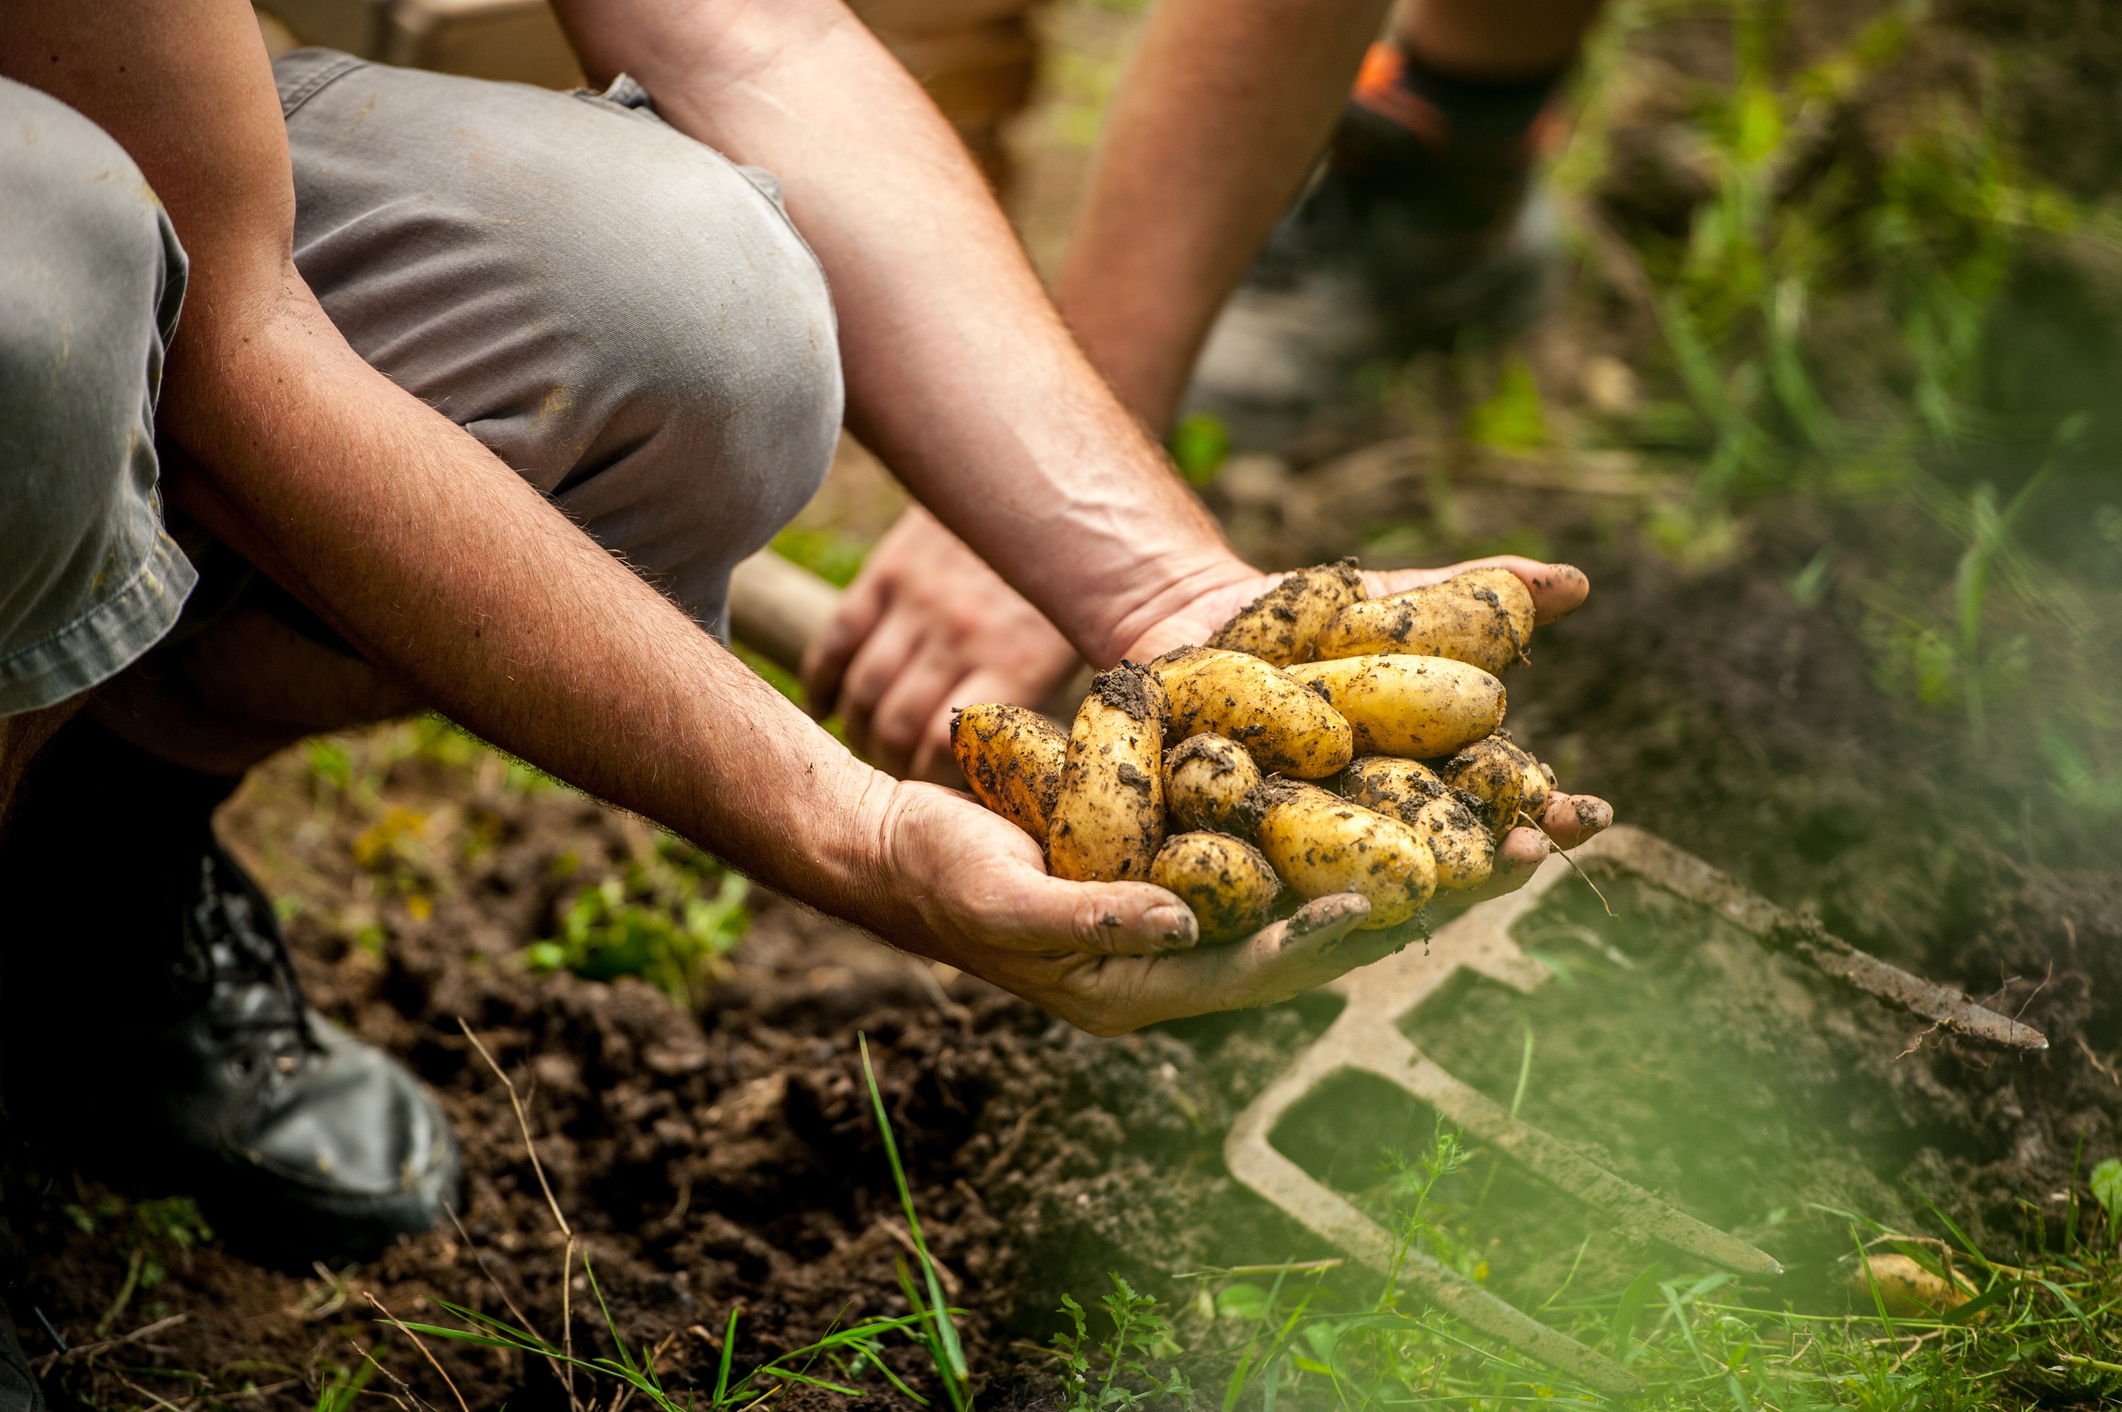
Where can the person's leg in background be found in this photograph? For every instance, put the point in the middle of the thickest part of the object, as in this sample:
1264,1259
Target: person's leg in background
622,316
1426,220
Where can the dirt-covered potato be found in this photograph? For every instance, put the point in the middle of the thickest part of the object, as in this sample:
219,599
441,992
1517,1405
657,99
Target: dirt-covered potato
1108,821
1286,728
1442,817
1226,881
1012,758
1509,782
1211,783
1283,624
1409,706
1321,843
1483,617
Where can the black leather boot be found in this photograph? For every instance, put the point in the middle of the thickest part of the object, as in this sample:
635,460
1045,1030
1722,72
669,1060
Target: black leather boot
152,1028
18,1385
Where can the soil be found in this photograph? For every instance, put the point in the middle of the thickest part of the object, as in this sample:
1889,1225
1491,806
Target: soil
729,1157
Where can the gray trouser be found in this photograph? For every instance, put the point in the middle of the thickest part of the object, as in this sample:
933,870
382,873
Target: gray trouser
614,309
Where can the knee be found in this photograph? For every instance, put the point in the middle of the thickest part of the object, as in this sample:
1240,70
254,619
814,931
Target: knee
91,296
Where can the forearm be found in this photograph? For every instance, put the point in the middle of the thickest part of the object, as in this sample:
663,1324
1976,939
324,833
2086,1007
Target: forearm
959,372
445,569
1224,111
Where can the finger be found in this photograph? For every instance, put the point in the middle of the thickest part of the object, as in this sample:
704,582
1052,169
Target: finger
1518,857
1117,994
1569,819
825,661
1556,588
927,682
875,666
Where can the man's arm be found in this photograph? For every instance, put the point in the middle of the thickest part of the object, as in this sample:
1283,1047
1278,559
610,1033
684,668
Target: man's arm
448,571
959,373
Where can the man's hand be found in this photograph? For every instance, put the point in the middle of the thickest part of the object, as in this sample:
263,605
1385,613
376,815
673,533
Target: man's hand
966,887
926,627
1556,589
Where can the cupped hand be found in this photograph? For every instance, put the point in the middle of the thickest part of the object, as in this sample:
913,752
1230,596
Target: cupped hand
966,887
1556,589
925,627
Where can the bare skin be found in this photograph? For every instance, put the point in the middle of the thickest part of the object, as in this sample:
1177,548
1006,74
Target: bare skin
1223,113
338,485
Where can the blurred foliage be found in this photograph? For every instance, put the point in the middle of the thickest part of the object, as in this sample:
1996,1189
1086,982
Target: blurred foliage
1199,446
672,918
1874,306
834,557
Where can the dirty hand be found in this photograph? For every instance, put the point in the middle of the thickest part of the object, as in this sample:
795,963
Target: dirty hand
964,886
927,626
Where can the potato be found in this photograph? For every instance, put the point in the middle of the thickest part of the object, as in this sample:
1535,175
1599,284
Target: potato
1483,617
1907,1289
1284,727
1283,624
1211,783
1012,758
1443,818
1322,844
1408,706
1225,880
1108,819
1510,784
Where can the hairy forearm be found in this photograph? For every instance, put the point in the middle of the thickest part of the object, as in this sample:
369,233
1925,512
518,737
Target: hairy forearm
959,372
448,571
1222,114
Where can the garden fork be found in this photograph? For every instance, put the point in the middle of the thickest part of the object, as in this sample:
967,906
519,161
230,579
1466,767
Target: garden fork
1366,1038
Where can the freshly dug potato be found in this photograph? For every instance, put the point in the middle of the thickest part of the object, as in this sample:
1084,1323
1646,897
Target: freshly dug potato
1507,780
1283,624
1908,1290
1108,821
1322,844
1286,728
1483,617
1408,706
1211,783
1225,880
1012,758
1410,791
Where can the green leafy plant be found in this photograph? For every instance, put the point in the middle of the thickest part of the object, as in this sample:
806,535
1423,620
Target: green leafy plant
1139,1333
658,920
151,1235
1199,446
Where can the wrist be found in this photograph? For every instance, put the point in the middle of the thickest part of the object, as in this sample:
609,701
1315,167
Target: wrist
1134,627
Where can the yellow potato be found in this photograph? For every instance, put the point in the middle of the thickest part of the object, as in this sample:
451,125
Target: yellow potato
1012,758
1211,783
1322,844
1511,786
1225,880
1408,706
1907,1289
1108,821
1410,791
1483,617
1283,624
1284,727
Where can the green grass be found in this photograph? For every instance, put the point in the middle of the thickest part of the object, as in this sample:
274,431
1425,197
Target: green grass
672,918
2042,1333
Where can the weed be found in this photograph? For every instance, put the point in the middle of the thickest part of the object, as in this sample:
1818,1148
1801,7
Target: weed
151,1235
1139,1333
657,921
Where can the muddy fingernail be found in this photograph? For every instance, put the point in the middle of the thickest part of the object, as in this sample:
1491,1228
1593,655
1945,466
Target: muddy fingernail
1174,927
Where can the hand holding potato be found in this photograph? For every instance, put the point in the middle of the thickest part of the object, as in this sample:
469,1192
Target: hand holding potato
1190,772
